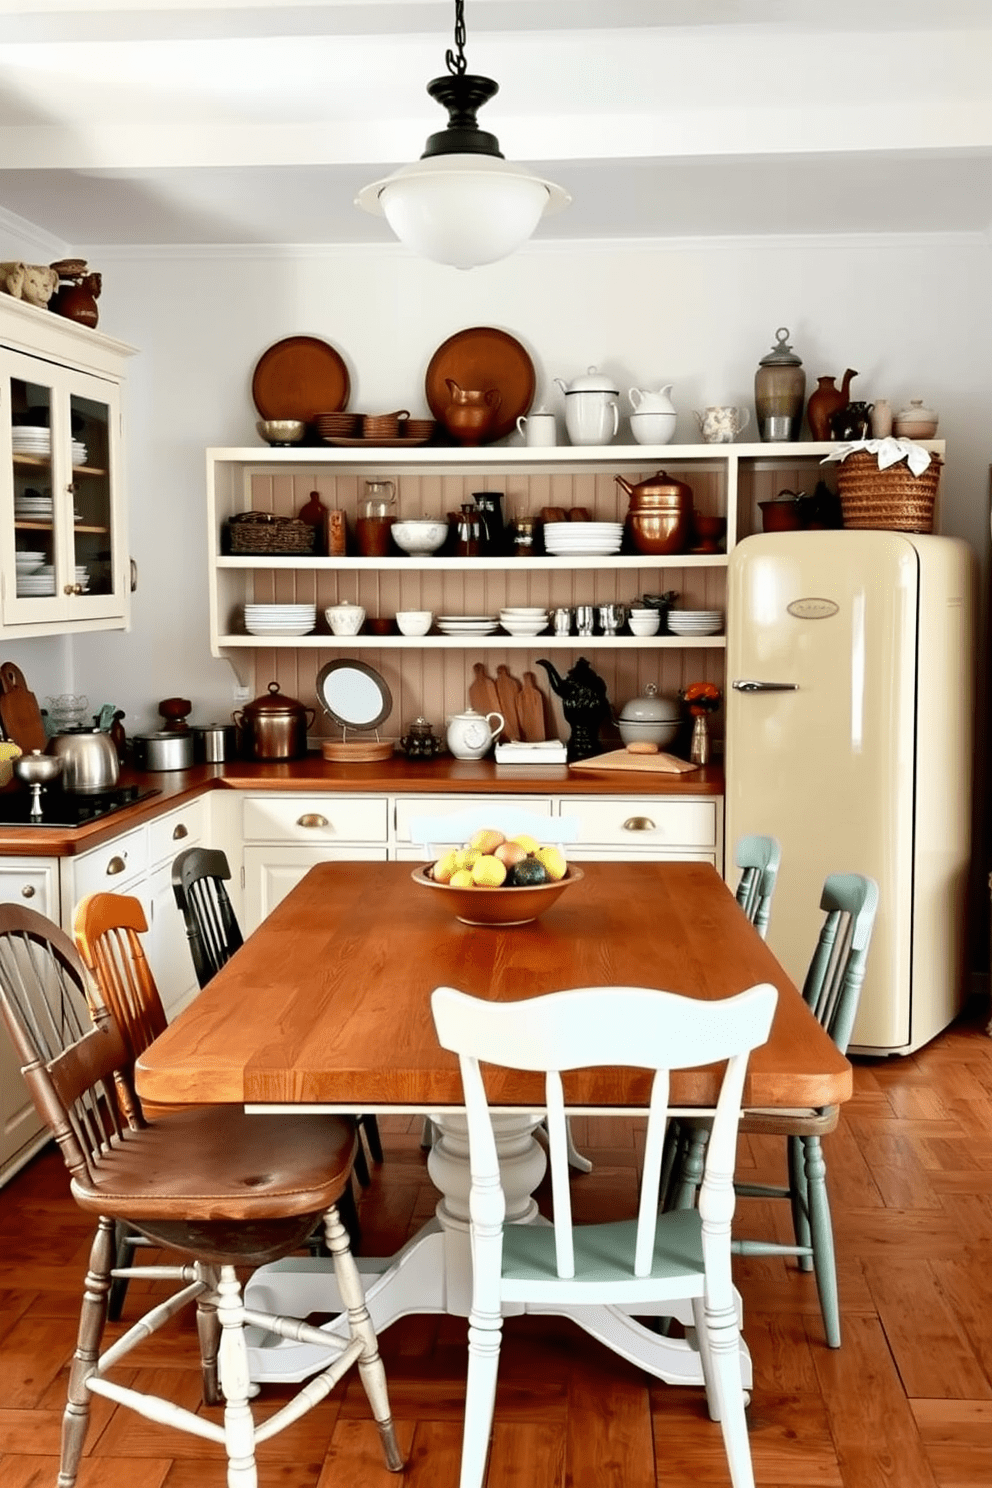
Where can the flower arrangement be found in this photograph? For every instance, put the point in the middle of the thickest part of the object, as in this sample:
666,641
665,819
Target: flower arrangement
701,698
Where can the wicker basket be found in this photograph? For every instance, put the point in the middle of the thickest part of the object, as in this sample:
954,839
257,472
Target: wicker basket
894,499
261,532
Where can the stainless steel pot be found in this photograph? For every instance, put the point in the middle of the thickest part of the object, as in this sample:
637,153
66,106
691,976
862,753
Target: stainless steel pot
169,750
89,760
274,727
213,743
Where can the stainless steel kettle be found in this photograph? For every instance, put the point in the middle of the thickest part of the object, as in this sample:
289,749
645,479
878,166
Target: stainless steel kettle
89,760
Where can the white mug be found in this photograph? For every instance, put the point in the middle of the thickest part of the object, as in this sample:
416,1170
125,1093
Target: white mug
538,428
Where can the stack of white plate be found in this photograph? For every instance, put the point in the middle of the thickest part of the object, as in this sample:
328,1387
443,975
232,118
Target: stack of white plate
583,539
280,619
31,504
35,439
523,620
695,622
40,581
27,562
466,624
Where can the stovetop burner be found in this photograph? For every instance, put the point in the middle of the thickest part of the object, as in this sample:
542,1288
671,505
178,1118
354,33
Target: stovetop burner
61,808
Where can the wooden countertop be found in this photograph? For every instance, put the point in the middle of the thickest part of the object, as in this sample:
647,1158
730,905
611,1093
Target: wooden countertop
398,776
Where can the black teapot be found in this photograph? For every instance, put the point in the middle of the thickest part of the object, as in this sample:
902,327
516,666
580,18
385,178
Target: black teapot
420,741
584,704
852,421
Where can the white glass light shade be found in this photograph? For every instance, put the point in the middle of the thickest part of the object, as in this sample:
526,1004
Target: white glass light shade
463,210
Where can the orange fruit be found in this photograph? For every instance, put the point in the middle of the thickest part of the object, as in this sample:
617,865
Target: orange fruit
510,853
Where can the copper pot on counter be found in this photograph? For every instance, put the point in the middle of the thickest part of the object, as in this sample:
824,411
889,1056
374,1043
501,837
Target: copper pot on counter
274,727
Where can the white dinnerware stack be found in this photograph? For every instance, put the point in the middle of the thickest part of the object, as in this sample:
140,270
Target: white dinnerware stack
695,622
583,539
39,583
35,439
523,620
460,625
280,619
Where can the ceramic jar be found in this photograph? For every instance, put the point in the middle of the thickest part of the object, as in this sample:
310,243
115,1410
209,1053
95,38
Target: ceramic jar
470,734
592,414
779,391
649,719
881,419
915,422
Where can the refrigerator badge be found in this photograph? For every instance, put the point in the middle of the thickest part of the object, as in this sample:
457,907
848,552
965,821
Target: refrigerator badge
812,609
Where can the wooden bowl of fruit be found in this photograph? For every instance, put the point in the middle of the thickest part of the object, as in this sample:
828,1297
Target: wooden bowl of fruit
511,884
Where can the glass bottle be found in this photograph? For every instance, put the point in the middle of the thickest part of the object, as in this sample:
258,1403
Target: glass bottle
779,391
468,540
375,520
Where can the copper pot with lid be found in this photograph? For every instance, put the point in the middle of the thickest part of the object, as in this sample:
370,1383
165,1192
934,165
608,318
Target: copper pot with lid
274,726
659,517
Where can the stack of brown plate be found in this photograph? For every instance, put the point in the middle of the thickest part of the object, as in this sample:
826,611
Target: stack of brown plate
376,426
338,425
412,428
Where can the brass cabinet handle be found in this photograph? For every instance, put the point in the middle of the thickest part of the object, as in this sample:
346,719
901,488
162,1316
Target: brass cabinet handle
28,891
117,864
639,824
179,831
312,819
72,589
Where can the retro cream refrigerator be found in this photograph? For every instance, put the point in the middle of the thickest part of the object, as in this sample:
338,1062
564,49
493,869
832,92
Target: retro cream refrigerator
850,667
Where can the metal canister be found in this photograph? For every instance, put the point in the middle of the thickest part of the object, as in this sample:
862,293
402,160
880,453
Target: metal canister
213,743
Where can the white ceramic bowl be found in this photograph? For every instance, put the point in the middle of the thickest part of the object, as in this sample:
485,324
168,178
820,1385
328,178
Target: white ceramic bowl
652,428
648,626
648,731
345,619
420,536
281,431
414,622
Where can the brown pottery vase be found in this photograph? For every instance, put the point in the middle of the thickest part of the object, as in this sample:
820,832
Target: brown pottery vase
825,401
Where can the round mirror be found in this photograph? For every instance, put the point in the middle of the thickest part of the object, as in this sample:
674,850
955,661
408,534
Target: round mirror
354,694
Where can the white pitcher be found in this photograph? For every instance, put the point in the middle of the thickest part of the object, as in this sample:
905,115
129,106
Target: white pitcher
645,402
653,418
722,424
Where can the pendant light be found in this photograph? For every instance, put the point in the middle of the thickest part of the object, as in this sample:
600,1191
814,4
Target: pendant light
461,203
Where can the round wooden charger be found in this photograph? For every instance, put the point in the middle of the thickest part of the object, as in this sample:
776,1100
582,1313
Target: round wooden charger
298,378
483,357
343,752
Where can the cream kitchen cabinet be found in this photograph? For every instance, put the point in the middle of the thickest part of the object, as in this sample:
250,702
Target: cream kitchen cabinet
285,835
64,564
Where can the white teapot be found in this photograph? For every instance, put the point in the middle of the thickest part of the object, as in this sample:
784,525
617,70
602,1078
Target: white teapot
592,414
470,733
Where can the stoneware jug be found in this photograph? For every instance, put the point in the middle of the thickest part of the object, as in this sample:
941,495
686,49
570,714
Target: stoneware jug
825,401
470,734
592,414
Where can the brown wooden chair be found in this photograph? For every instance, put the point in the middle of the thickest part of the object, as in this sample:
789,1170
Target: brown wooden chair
218,1187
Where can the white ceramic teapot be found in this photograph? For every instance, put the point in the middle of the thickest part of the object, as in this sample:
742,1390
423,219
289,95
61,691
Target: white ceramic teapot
470,734
592,414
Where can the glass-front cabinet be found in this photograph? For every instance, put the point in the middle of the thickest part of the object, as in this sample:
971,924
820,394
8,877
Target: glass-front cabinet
62,528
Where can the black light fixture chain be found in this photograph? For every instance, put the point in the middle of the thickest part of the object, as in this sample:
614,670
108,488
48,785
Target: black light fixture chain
456,61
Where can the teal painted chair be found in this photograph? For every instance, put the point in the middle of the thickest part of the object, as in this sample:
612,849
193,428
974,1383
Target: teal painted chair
832,989
655,1258
758,858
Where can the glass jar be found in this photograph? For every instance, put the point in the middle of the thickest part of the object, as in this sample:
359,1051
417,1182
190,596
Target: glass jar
779,392
373,530
469,536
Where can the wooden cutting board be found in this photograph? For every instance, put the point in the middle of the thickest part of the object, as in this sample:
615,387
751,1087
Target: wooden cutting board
508,689
482,694
19,711
620,759
530,710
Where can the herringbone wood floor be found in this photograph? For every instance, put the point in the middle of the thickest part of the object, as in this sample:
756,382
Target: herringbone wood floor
905,1403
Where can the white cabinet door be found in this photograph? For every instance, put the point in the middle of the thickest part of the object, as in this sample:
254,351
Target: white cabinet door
166,946
270,873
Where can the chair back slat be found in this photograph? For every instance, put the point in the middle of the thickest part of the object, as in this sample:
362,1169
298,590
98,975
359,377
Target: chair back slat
759,859
836,974
108,928
212,930
589,1027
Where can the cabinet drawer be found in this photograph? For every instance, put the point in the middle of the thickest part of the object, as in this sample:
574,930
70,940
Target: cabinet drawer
169,834
111,867
409,807
640,822
315,819
31,882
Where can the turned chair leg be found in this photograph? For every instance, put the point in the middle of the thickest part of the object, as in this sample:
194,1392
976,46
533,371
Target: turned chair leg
208,1330
370,1366
822,1239
92,1320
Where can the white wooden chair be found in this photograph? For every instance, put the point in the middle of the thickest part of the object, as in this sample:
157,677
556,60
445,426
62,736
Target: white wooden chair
655,1258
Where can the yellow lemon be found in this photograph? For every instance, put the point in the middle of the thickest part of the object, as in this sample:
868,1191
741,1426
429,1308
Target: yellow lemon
527,843
466,856
488,871
554,862
461,878
443,868
486,839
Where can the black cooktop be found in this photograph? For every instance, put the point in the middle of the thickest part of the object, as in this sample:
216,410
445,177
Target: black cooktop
61,808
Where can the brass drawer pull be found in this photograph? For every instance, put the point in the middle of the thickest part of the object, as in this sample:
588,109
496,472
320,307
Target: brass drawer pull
28,891
117,864
312,819
639,824
179,831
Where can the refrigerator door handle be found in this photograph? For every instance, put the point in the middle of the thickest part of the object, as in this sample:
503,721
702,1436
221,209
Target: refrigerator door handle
746,685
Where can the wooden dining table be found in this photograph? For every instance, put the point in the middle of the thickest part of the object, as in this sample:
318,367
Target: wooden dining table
327,1007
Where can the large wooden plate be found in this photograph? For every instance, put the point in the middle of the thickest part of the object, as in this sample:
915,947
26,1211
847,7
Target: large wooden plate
483,357
298,378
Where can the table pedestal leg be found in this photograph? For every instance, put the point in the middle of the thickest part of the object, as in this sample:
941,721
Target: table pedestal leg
433,1271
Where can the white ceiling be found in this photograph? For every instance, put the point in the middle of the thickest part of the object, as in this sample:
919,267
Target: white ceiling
124,124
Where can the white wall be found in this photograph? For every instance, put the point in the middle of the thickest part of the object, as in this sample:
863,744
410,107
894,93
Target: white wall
912,316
